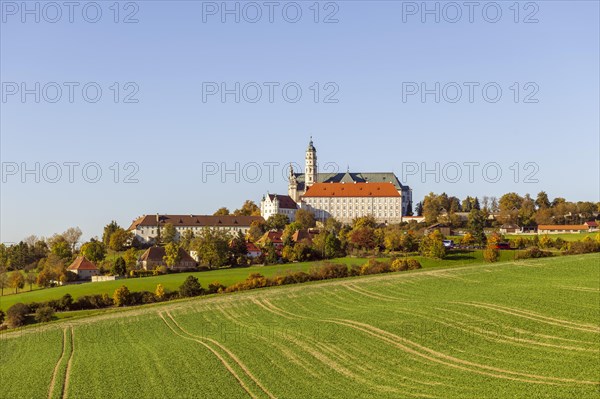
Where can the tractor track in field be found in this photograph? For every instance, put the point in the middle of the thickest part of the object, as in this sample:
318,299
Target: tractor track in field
495,336
369,294
270,307
520,330
65,390
535,316
439,357
186,335
57,366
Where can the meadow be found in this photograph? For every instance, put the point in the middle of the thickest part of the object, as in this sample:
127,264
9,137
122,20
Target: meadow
226,277
504,330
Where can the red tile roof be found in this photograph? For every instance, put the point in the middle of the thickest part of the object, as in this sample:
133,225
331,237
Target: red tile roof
592,224
81,263
285,201
562,227
352,190
195,220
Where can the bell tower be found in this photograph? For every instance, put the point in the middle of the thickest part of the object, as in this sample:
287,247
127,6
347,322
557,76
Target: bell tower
310,170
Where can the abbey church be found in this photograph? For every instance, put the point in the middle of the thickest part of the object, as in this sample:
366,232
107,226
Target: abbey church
344,196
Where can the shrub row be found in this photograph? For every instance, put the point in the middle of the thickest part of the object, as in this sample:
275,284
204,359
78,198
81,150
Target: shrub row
532,253
17,314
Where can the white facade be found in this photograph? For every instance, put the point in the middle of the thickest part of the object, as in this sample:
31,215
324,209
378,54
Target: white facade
146,228
273,204
345,209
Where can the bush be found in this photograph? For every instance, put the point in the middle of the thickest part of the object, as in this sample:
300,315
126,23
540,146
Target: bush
44,314
190,287
532,253
141,298
2,315
491,254
582,247
374,266
329,271
122,296
215,287
92,302
399,265
65,302
16,315
414,264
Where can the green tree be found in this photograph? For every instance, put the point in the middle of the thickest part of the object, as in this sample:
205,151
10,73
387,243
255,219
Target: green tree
16,315
249,208
432,246
277,221
109,229
509,207
271,257
60,247
120,267
256,230
542,201
17,281
238,245
212,247
30,279
172,254
191,287
169,233
221,212
131,258
95,251
119,240
305,219
3,281
121,296
186,239
476,226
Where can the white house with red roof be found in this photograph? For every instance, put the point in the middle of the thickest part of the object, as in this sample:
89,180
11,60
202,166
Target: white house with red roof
83,268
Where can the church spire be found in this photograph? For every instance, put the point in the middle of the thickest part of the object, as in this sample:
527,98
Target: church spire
310,171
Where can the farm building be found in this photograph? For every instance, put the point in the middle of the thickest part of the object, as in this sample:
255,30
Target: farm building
592,226
562,228
510,228
154,257
83,268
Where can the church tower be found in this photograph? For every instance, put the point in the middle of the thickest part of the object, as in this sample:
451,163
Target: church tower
293,185
310,170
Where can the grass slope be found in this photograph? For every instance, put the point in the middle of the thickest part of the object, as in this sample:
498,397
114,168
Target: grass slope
224,276
525,329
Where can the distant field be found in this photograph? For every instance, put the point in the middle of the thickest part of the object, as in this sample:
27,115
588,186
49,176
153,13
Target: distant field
527,329
224,276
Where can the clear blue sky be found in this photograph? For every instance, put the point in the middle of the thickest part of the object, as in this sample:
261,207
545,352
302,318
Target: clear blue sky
367,54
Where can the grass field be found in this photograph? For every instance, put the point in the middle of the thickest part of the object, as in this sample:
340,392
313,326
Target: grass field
224,276
527,329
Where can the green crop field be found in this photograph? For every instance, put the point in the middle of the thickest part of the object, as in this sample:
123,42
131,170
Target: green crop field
527,329
224,276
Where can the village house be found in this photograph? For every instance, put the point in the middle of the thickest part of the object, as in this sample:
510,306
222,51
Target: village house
83,268
147,228
154,258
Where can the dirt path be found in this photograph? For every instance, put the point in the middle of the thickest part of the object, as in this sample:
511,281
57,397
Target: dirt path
57,366
69,363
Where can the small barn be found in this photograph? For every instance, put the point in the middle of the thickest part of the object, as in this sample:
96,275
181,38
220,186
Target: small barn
154,257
